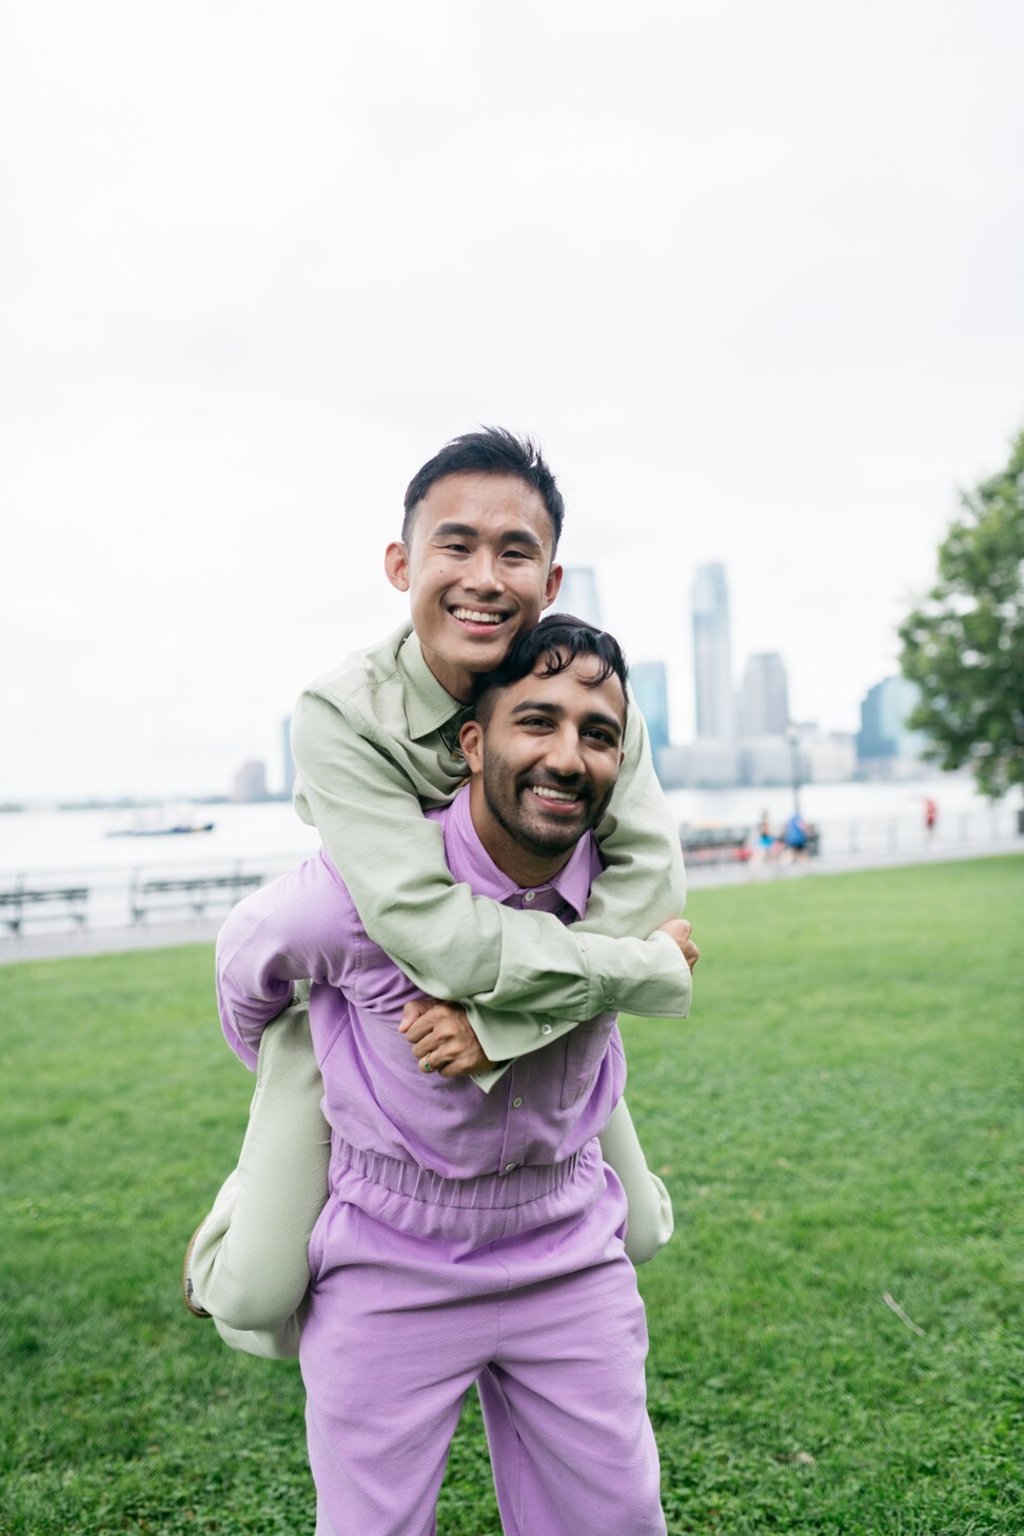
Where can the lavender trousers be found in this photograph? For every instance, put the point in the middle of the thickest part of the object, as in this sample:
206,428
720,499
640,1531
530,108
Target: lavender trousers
422,1286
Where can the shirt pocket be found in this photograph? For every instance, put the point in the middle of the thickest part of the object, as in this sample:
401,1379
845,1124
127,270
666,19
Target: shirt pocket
584,1051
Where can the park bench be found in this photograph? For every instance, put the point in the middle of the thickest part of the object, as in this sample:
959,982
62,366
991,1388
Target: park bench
715,844
196,892
22,902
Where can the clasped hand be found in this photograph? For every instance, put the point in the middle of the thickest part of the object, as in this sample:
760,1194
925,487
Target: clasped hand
442,1038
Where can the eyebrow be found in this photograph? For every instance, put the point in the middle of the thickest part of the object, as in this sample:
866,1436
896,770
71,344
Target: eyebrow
541,706
468,531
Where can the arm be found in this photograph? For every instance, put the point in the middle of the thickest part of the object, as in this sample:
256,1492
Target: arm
525,970
644,883
443,1040
296,928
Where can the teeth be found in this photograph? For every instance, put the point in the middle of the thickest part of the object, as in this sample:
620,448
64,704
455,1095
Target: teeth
547,793
470,616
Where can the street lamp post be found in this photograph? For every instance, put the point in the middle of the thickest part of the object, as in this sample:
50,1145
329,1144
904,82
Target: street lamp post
793,737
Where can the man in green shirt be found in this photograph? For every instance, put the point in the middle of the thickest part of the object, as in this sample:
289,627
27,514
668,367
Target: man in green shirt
375,743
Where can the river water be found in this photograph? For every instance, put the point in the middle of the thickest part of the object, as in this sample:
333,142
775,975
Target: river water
39,840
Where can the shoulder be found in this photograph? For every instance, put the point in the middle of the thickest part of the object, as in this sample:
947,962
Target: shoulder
362,697
635,745
363,673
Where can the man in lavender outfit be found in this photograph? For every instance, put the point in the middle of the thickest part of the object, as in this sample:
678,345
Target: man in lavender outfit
469,1237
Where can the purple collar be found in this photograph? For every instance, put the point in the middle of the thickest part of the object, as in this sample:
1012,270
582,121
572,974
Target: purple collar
469,860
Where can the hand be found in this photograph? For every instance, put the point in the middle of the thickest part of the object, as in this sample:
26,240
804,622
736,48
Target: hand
442,1038
679,931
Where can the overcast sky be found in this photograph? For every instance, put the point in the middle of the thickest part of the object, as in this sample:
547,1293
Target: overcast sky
752,273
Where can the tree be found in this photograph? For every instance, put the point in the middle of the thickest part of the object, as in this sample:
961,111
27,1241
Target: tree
964,645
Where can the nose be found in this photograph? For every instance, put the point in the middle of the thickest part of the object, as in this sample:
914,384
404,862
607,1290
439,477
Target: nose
563,756
482,574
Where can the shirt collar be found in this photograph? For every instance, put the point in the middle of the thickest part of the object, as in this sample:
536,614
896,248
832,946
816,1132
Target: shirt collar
469,860
428,706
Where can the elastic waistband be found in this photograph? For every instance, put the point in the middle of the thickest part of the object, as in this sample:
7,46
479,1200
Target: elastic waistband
486,1192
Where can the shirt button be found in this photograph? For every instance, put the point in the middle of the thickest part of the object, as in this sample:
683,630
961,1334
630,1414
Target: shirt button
517,1103
510,1168
529,895
545,1029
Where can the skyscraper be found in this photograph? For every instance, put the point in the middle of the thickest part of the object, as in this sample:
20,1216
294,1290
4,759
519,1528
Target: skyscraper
883,716
250,782
650,688
712,654
578,594
764,699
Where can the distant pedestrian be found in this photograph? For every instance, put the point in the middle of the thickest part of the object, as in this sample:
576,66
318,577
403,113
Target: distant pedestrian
931,816
767,842
794,836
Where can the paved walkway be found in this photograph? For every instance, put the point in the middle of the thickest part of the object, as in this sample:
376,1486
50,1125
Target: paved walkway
112,941
106,941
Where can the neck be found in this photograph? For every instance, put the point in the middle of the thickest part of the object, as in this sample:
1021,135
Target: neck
525,866
454,680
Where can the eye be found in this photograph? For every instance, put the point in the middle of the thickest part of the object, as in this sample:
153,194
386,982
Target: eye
456,549
535,722
600,736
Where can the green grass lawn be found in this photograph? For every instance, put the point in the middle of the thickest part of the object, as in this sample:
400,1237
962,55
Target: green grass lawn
841,1120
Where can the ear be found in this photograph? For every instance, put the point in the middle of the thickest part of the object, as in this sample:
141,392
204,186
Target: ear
396,565
471,741
553,583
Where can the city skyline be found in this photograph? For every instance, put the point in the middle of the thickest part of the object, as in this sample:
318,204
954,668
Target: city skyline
758,697
753,703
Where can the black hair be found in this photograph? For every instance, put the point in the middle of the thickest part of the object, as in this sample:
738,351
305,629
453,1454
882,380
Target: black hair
557,641
491,451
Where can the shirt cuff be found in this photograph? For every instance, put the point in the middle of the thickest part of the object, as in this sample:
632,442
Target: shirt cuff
487,1080
641,976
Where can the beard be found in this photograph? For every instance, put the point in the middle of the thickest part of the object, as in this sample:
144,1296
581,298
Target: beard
509,799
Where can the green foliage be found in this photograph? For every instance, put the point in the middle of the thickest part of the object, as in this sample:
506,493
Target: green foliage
964,646
840,1119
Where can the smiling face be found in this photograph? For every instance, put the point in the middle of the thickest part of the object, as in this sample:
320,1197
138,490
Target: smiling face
544,764
478,572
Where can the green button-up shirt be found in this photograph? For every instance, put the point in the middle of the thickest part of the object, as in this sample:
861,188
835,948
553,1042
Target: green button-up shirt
375,741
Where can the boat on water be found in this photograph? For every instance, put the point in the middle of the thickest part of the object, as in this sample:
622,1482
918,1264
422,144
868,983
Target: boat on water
161,822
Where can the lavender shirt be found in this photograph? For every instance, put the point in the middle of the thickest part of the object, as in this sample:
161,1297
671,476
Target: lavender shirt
548,1105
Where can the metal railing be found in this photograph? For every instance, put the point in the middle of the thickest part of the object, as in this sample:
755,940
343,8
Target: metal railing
111,896
980,827
872,841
